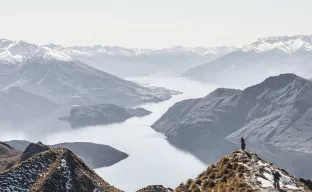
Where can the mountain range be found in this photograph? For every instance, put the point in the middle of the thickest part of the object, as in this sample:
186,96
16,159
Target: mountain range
36,81
254,62
62,79
119,61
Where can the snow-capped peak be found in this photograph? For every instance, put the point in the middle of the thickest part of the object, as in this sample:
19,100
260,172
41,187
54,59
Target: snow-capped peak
284,44
46,53
13,52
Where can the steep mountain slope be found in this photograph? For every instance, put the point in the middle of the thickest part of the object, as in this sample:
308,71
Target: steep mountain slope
94,155
253,63
275,112
205,119
55,170
242,171
7,155
101,114
18,105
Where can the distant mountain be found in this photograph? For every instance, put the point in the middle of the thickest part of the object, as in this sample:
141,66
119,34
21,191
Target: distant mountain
101,115
18,105
94,155
119,61
253,63
243,171
125,62
275,112
55,170
57,76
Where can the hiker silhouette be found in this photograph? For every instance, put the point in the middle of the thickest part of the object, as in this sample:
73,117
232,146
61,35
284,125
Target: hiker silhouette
243,144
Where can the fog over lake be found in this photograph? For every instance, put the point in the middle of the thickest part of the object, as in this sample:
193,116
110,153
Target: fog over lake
152,160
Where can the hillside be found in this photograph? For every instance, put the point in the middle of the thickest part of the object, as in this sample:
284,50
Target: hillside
101,115
18,105
7,155
55,170
242,171
65,81
253,63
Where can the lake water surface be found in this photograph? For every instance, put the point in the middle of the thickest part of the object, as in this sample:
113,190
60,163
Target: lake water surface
152,160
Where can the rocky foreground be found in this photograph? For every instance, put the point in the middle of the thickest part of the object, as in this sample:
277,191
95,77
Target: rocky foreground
61,170
242,171
54,170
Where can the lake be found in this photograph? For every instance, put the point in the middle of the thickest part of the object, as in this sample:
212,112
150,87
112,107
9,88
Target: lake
152,160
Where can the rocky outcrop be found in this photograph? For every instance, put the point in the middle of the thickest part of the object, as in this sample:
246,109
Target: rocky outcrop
155,188
101,115
241,171
307,182
31,150
54,170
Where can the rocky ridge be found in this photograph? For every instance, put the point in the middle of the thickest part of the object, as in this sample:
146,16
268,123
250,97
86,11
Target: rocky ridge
54,170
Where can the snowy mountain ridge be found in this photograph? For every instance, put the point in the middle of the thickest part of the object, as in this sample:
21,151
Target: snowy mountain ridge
283,44
115,50
15,51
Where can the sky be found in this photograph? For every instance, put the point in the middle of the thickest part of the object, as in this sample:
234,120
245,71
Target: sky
152,23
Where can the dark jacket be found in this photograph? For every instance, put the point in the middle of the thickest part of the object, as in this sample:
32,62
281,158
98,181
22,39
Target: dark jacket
243,142
276,175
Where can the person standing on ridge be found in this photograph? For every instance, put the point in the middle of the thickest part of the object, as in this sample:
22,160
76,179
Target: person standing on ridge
243,144
276,176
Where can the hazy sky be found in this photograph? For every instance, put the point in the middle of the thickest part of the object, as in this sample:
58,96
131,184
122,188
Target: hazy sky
152,23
